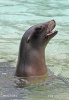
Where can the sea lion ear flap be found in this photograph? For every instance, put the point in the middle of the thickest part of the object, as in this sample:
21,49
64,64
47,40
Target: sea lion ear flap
28,38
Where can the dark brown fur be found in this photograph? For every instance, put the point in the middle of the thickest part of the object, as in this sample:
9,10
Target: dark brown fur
31,60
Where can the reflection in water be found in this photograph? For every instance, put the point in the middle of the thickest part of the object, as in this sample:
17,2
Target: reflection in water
41,88
16,16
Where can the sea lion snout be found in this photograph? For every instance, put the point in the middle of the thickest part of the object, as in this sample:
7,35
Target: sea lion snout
50,33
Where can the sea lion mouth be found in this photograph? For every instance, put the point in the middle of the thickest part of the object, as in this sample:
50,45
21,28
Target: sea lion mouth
52,33
51,26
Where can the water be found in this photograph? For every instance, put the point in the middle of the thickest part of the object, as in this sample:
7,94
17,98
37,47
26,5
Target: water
16,16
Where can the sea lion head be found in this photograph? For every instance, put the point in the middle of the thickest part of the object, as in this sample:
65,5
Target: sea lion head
40,34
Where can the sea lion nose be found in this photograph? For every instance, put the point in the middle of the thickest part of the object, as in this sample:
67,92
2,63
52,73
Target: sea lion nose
53,20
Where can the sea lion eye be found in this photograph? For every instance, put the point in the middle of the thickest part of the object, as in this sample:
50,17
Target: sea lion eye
38,29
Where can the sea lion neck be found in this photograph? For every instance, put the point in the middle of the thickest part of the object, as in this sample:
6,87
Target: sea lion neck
31,61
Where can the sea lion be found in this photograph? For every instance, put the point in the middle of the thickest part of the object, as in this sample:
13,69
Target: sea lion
31,59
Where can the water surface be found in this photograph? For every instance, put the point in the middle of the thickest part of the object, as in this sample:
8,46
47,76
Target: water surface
16,16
